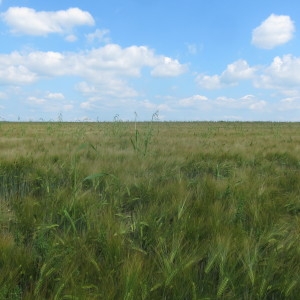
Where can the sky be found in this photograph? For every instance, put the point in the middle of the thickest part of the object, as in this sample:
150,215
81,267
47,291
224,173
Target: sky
191,60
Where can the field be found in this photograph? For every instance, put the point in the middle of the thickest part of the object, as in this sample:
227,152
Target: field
152,210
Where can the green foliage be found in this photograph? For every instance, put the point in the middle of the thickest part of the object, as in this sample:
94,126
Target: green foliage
211,212
10,294
140,142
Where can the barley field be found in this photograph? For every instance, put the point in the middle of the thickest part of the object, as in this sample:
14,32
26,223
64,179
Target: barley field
154,210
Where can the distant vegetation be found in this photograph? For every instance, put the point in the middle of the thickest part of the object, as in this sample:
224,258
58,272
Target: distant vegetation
149,210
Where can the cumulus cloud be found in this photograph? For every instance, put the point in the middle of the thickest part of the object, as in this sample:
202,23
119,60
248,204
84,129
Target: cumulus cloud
47,63
238,70
209,82
154,107
50,102
282,74
221,105
249,102
274,31
58,96
16,75
104,76
24,20
193,100
168,67
110,86
109,65
48,97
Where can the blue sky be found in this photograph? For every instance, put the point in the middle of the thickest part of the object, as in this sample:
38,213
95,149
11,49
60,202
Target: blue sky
189,60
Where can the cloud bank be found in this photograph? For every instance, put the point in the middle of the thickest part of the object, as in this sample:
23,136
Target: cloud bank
282,74
95,64
101,73
28,21
235,72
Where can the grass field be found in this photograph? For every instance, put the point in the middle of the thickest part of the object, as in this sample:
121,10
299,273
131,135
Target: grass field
149,210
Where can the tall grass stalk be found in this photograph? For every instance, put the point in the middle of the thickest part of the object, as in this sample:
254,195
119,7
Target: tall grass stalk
140,143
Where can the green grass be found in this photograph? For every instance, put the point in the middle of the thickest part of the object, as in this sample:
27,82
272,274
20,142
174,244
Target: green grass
149,210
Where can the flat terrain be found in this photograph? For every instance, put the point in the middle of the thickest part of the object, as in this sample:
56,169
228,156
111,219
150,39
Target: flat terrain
151,210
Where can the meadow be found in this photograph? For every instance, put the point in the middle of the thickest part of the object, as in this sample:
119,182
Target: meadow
149,210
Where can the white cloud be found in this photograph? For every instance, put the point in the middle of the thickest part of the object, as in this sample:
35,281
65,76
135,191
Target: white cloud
238,70
283,74
154,106
290,103
50,102
221,106
127,106
86,88
24,20
100,35
233,118
274,31
193,100
71,38
113,58
112,87
35,100
104,77
104,92
108,67
224,100
247,98
209,82
58,96
16,74
249,102
87,105
67,107
48,96
258,105
168,67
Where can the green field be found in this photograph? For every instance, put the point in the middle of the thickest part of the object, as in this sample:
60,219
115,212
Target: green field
151,210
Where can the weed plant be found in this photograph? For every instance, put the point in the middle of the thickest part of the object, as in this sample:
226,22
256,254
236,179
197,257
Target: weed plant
140,143
204,211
